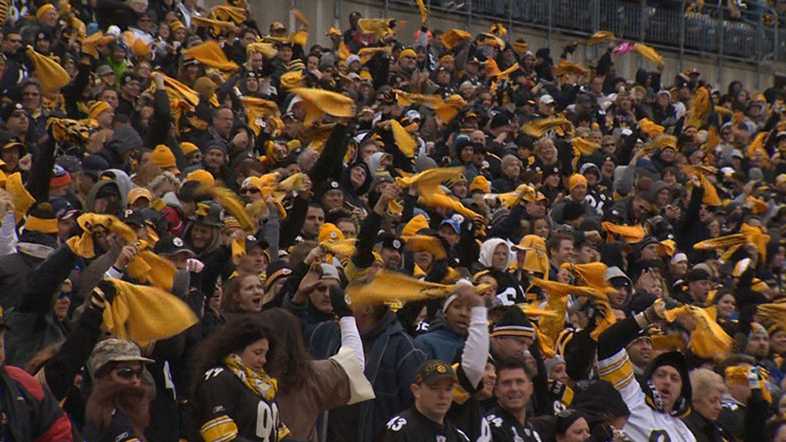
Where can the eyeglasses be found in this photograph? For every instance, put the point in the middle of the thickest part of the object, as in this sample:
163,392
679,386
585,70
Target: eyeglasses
63,295
250,190
128,373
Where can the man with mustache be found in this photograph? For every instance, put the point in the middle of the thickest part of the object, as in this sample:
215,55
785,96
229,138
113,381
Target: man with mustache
118,407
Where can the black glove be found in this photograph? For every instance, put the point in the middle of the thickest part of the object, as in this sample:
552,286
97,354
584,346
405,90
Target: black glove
339,301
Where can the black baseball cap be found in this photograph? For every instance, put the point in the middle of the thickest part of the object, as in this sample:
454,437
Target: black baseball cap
172,246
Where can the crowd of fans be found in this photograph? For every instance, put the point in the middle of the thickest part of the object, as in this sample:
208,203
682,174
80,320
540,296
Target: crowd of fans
213,230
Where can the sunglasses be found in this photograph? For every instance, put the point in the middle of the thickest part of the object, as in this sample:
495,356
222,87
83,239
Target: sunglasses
128,373
251,190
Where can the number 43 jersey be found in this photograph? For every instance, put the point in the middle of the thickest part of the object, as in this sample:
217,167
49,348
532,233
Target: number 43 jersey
411,426
226,409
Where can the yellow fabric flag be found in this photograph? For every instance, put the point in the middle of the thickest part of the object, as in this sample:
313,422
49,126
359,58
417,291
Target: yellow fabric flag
404,141
292,80
19,195
413,226
229,13
231,203
711,197
651,128
511,199
367,54
599,295
504,75
49,73
343,51
217,26
257,109
64,129
449,108
430,179
567,67
426,243
538,128
179,92
266,49
536,258
601,37
390,286
630,234
708,340
450,203
730,243
147,267
377,26
453,37
593,273
561,289
319,102
210,54
139,46
91,43
423,11
699,108
551,326
300,17
498,29
772,314
145,314
649,53
408,99
299,38
757,145
584,146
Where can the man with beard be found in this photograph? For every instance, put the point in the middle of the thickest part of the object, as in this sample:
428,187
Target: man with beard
118,406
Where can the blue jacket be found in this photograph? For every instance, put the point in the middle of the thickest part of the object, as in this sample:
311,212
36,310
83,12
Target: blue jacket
441,343
391,363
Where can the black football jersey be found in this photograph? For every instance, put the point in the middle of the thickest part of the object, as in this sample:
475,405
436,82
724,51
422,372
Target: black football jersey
226,409
504,428
411,426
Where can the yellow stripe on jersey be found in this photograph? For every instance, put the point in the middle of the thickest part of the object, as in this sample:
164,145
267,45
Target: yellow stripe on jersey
220,429
617,369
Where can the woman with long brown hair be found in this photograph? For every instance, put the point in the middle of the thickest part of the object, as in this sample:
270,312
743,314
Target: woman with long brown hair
233,395
119,402
311,387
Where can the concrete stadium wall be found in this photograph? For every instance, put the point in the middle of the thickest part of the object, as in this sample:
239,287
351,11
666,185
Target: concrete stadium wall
326,13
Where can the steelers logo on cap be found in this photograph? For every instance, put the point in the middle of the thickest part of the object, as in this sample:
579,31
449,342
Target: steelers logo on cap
396,244
333,235
334,184
177,242
440,369
251,238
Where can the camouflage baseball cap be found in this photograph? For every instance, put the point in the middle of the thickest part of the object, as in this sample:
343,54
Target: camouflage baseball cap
114,350
435,370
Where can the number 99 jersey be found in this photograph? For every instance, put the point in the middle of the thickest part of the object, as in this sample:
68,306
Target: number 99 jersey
225,409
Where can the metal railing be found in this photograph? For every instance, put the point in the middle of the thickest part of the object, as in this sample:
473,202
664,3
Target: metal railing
753,37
